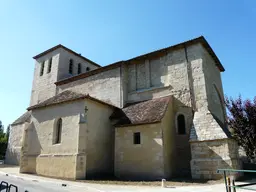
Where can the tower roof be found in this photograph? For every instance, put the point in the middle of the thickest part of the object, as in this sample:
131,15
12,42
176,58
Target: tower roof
67,49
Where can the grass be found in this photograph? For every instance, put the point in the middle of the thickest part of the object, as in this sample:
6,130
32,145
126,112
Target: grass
174,182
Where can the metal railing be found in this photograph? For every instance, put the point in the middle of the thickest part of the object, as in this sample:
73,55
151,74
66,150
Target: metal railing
5,186
230,182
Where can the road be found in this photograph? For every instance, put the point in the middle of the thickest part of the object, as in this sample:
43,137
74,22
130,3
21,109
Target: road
38,186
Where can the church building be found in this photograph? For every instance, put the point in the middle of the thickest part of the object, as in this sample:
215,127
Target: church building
157,115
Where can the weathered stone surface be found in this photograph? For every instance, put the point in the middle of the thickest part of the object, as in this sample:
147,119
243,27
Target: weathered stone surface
86,147
166,75
188,73
12,156
208,156
136,161
104,86
43,86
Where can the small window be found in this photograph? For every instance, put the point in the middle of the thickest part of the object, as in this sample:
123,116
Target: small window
58,131
79,69
136,138
70,66
42,69
49,65
181,125
87,68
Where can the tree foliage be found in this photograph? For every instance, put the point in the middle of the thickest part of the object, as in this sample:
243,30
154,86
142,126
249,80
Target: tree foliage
8,132
3,140
242,123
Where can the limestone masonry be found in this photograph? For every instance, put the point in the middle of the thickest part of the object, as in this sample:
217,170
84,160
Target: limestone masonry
158,115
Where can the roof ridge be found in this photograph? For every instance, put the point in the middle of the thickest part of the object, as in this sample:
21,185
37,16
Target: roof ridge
70,96
199,39
67,49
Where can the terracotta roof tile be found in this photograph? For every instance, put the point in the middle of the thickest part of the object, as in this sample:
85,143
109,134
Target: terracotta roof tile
145,112
63,97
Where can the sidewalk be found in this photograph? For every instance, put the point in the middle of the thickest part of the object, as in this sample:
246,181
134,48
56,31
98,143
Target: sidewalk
13,171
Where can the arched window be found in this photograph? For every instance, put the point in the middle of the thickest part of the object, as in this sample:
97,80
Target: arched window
79,69
58,131
42,69
49,65
87,68
70,66
181,124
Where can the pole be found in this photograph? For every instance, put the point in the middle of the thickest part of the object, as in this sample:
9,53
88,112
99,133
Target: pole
225,179
233,184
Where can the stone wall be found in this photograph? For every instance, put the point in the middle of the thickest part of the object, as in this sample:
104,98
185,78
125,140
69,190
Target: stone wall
99,140
208,156
43,87
63,70
12,156
87,141
104,86
139,161
40,152
182,145
211,146
214,89
169,147
58,166
159,76
45,120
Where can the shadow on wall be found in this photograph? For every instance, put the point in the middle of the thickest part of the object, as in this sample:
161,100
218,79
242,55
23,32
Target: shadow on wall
208,157
31,148
182,144
34,146
12,156
223,126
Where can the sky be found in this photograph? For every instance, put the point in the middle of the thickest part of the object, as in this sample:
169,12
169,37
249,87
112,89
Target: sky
107,31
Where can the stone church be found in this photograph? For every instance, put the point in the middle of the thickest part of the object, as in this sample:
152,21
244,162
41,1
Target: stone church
157,115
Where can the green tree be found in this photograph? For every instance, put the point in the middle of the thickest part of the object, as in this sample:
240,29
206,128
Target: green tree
242,122
2,134
3,141
8,132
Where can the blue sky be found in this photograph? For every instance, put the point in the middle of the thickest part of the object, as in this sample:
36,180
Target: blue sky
108,31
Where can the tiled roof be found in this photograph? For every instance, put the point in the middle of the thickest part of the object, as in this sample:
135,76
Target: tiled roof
22,119
63,97
145,112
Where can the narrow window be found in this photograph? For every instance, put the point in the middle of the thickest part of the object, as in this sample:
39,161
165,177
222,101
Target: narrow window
87,68
79,69
136,138
181,125
42,69
71,66
58,131
49,65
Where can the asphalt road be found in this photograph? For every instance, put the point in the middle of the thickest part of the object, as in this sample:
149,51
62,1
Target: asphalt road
37,186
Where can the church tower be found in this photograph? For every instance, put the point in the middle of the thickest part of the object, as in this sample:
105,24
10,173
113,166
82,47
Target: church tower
53,65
